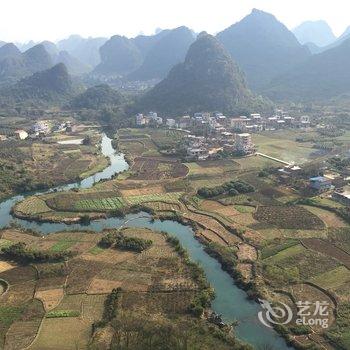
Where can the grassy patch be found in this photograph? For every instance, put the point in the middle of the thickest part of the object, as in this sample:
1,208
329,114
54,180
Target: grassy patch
4,243
333,278
63,245
340,332
244,209
166,197
286,253
63,313
9,314
96,250
276,247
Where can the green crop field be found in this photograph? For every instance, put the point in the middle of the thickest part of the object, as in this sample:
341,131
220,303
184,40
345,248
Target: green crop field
286,253
333,278
4,243
63,245
62,313
166,197
100,204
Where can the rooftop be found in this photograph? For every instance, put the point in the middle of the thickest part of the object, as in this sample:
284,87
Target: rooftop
319,179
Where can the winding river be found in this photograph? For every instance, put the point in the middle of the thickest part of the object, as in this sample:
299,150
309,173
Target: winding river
230,301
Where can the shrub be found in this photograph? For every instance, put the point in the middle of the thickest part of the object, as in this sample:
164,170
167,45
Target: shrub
118,240
19,252
231,187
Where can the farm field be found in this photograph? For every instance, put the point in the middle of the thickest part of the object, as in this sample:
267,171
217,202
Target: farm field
146,168
288,217
285,149
54,305
30,165
273,245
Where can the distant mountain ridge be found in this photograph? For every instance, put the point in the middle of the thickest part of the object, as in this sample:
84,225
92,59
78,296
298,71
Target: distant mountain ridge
339,41
97,97
321,77
263,47
48,86
144,57
316,32
119,56
86,50
15,65
168,51
74,65
207,80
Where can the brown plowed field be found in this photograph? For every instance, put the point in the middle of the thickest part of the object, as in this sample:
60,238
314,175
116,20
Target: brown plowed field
157,169
328,249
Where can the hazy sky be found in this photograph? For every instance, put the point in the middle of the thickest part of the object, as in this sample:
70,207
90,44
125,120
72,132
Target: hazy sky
22,20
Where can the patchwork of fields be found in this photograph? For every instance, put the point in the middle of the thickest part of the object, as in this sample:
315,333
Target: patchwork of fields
54,305
279,247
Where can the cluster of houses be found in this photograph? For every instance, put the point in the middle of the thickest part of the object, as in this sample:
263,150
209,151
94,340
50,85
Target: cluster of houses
281,120
210,133
205,122
219,132
337,185
334,184
39,129
202,148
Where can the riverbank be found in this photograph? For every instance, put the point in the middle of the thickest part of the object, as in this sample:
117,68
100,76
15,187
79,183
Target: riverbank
69,302
231,302
38,165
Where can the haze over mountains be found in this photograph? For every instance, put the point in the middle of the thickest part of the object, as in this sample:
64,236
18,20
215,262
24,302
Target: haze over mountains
15,65
51,85
316,32
170,49
308,64
321,77
263,47
86,50
144,58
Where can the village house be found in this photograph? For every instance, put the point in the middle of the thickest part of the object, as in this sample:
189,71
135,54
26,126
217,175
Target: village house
184,122
239,124
41,127
342,197
320,183
254,128
304,121
227,137
271,122
290,170
141,120
153,116
288,120
221,119
70,127
21,134
170,123
244,143
256,117
198,153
